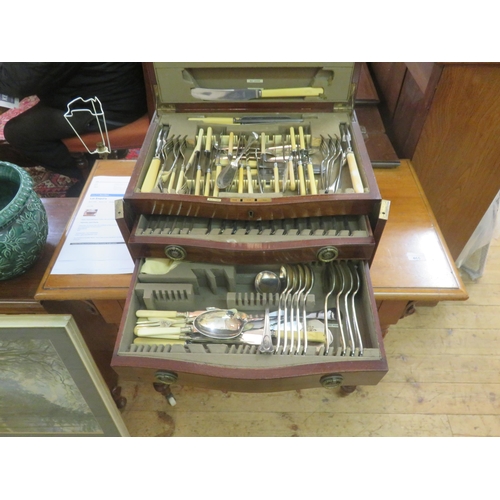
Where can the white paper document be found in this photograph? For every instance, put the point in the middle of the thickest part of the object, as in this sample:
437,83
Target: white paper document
94,244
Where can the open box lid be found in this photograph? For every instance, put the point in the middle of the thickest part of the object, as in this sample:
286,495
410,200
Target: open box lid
174,81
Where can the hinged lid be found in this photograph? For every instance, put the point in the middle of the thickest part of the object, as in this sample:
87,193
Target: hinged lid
176,80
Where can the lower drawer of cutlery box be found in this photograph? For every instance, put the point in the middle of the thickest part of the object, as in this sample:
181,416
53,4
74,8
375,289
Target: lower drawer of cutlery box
347,350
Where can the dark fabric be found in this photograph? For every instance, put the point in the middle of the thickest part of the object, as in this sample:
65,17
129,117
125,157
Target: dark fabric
119,86
40,142
37,133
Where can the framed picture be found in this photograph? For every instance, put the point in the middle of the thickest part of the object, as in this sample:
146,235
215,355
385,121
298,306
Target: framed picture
49,383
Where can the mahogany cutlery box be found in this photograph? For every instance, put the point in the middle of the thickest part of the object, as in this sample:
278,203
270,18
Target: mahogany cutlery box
281,212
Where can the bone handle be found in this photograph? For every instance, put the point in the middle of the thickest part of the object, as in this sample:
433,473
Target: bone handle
292,139
230,145
197,184
158,331
302,181
152,174
206,191
312,180
293,92
276,179
241,179
147,313
302,141
357,184
208,139
218,168
291,175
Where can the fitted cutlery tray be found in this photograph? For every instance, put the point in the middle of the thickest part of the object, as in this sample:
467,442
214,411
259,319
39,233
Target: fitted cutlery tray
223,241
195,286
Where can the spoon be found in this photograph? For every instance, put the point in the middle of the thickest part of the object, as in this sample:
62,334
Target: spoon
267,282
220,323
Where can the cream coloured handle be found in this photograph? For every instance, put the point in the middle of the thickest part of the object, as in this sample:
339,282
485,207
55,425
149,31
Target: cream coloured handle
302,181
357,184
152,174
206,191
293,144
312,180
215,120
208,140
276,179
218,168
147,313
293,92
159,331
197,184
241,179
230,145
291,175
302,141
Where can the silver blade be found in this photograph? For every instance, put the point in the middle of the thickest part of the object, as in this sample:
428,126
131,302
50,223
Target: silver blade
267,119
225,94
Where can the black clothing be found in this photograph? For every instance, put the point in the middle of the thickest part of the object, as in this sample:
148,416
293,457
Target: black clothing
38,132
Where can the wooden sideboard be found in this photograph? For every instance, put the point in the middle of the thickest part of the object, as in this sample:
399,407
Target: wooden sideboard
445,117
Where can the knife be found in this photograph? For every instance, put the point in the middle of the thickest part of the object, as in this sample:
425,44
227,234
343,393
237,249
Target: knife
246,119
247,94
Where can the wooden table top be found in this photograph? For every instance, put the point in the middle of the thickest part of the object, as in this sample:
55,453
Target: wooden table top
412,260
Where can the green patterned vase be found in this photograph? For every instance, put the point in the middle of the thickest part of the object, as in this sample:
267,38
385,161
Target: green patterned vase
23,222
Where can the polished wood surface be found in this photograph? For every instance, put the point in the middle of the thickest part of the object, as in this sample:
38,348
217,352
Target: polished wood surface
445,118
456,158
412,261
17,295
86,287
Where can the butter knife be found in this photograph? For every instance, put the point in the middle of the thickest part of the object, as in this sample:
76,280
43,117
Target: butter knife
248,94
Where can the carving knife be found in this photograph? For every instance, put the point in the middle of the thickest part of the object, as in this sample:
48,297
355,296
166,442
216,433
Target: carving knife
243,120
248,94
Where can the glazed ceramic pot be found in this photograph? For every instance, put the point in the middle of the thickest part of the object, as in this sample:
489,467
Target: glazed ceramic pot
23,222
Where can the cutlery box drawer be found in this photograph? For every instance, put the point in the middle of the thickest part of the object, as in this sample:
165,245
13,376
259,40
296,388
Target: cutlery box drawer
349,352
220,241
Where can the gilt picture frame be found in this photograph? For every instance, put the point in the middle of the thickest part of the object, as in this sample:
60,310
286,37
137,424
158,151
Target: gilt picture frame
49,382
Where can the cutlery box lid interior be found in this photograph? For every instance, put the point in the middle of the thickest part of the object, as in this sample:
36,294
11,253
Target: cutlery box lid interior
175,81
313,121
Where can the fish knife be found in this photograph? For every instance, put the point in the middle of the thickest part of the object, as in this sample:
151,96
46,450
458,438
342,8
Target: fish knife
248,94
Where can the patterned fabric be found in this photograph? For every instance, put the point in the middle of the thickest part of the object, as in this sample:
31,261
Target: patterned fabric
26,103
